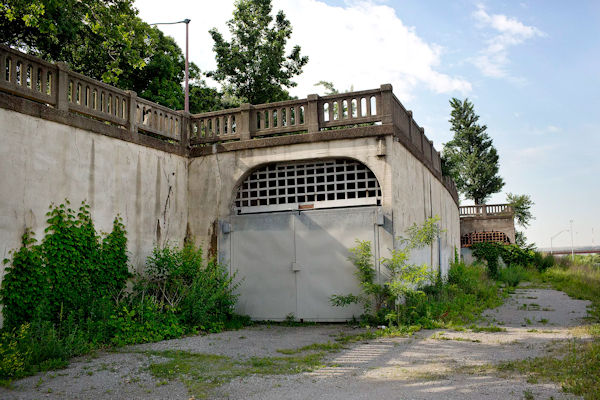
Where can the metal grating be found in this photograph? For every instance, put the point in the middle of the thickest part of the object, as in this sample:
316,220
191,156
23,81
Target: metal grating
467,240
329,183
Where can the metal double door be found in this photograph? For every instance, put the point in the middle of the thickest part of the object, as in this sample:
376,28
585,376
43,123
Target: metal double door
290,263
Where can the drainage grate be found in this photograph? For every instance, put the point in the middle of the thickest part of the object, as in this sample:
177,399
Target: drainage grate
330,183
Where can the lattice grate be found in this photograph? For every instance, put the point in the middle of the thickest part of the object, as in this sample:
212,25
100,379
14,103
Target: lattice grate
337,182
478,237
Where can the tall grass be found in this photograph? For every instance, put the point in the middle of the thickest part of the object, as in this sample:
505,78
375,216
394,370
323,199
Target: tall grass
580,281
576,365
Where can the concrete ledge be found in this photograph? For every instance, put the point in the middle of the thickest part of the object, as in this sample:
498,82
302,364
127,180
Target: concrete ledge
49,113
46,112
322,136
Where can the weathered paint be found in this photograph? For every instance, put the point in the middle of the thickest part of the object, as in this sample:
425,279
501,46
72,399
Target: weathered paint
43,162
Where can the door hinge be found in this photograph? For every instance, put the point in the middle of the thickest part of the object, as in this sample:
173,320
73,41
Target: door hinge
296,267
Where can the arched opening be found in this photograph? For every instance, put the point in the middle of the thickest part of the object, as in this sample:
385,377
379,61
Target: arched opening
301,185
289,234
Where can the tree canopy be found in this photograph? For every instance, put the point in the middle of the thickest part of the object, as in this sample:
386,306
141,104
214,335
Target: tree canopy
521,204
253,66
106,40
470,157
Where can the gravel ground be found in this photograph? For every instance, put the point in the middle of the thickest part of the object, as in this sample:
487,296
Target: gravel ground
429,365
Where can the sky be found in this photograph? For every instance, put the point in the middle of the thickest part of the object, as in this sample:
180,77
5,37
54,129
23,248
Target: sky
531,68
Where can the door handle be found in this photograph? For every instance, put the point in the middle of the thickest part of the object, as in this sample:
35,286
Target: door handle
296,267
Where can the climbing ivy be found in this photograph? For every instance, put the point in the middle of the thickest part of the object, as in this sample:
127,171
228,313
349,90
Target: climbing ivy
71,270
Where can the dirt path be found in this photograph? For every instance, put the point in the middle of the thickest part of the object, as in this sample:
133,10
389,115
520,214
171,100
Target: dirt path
429,365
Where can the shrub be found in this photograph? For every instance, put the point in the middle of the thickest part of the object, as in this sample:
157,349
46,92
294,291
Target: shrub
200,294
65,296
512,275
405,278
488,252
548,261
143,321
514,255
70,271
12,359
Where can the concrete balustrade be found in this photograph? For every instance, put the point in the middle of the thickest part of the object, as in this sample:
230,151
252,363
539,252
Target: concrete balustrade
375,112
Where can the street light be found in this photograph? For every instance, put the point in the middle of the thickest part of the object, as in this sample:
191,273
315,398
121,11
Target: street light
572,253
552,238
186,21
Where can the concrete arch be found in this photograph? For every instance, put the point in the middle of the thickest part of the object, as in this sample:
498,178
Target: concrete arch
244,177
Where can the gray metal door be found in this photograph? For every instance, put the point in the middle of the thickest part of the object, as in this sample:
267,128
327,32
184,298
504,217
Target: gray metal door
292,262
262,248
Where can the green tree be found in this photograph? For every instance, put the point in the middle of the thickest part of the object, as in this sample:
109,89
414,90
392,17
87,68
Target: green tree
328,86
521,204
106,40
470,157
253,66
99,38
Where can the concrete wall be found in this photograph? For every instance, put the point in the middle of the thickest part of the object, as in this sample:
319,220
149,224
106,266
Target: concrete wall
489,223
213,179
418,195
410,192
43,162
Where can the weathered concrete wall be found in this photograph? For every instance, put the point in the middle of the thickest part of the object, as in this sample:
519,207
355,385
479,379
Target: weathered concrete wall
43,162
213,179
418,195
410,193
489,223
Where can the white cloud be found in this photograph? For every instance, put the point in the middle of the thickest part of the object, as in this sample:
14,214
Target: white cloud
493,60
361,44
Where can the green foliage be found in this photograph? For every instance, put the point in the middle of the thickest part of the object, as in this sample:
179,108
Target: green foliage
328,86
99,38
143,321
521,204
202,296
512,275
512,255
414,296
253,65
574,365
470,157
12,359
24,286
106,40
70,271
490,253
66,296
580,281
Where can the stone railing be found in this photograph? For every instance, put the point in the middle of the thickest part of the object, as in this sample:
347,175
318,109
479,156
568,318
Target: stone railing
54,84
377,112
483,210
310,115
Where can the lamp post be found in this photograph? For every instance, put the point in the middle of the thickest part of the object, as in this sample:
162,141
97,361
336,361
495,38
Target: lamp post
552,238
186,21
572,253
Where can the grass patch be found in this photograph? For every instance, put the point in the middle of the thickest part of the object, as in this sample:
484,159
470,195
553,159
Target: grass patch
579,282
440,336
328,347
202,373
574,365
490,328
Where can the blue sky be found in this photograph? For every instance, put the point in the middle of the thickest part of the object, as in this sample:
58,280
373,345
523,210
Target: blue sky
531,68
